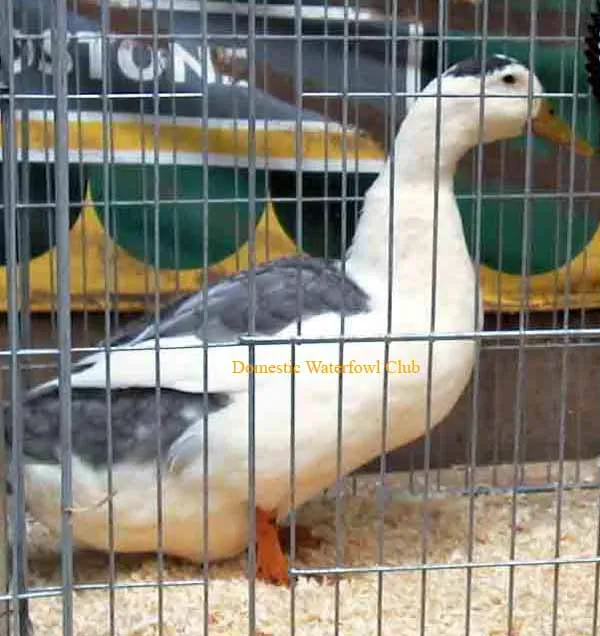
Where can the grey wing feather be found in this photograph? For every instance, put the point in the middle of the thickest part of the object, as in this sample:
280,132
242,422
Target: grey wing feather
286,290
134,423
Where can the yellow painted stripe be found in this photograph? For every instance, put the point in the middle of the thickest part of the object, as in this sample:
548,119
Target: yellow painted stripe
132,136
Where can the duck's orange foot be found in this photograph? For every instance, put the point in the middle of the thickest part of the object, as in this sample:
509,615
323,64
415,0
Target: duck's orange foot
304,538
271,562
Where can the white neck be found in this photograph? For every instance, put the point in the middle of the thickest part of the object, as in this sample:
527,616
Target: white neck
415,166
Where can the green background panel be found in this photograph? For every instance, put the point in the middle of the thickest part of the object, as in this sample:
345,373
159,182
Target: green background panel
180,225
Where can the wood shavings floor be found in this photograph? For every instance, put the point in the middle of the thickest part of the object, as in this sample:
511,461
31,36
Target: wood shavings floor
446,590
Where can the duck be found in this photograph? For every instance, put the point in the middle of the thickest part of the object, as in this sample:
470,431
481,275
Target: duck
192,420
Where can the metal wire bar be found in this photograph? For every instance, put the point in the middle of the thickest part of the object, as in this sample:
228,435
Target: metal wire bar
151,203
340,385
500,269
386,352
205,369
351,38
541,196
63,275
252,262
334,571
82,171
565,351
509,334
299,227
156,176
545,346
13,565
107,267
524,295
5,569
472,450
431,567
442,30
350,95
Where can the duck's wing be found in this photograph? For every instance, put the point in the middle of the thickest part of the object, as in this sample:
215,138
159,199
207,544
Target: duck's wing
285,291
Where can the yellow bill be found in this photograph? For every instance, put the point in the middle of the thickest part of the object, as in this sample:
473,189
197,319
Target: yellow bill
549,126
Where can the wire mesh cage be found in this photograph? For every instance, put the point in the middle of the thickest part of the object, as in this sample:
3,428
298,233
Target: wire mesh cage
300,317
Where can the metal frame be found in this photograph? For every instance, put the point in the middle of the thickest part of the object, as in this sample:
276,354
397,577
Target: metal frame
19,351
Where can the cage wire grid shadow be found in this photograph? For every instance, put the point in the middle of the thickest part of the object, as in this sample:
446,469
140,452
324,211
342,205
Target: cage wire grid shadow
181,182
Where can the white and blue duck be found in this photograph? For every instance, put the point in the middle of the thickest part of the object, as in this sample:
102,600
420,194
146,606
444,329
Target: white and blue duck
361,293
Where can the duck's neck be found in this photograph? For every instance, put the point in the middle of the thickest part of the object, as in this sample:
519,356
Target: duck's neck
414,186
415,158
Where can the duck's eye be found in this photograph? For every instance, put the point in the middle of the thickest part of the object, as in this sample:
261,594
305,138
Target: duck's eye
509,79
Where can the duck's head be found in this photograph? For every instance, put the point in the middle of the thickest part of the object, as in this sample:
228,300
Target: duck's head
511,95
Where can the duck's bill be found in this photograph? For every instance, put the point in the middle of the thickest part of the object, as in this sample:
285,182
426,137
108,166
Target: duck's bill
549,126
